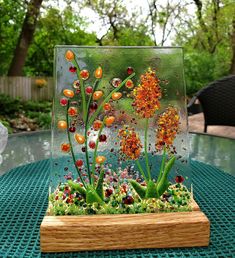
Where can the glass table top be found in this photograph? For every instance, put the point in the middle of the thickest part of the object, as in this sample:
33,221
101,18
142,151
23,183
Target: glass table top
30,147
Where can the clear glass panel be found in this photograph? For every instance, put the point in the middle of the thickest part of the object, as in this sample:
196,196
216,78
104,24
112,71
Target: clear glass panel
119,132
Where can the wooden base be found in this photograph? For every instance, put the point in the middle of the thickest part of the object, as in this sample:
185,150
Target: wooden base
125,231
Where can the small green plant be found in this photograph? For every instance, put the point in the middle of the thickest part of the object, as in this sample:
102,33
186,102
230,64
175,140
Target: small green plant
7,125
42,119
155,190
11,109
147,97
91,190
9,106
41,106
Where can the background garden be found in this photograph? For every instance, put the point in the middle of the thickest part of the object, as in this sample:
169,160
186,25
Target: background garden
29,30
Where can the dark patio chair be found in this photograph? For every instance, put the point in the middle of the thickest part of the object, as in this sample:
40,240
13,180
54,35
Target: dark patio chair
217,102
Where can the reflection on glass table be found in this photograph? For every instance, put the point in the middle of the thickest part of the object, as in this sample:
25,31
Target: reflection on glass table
214,150
30,147
25,148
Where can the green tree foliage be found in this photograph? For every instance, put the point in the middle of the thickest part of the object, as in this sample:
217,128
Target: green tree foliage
135,37
55,28
122,26
11,19
25,38
207,39
129,37
207,33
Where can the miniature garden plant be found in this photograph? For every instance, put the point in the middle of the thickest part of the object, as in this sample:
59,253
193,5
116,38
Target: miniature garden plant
95,190
147,97
92,190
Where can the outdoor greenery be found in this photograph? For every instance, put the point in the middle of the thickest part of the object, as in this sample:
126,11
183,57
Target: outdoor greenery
205,29
207,35
18,115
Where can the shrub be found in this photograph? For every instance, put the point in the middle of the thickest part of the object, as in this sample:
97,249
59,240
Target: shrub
201,68
41,106
44,120
12,108
6,124
9,106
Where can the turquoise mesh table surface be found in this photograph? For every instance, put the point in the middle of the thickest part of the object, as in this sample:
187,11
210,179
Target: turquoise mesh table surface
23,203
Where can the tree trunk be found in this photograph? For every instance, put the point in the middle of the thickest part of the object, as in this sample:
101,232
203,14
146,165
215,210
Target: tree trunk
232,67
210,44
153,16
25,38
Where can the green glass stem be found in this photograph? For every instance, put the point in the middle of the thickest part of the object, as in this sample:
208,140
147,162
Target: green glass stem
86,136
146,148
141,170
162,165
87,156
84,108
95,152
96,84
71,147
96,113
99,186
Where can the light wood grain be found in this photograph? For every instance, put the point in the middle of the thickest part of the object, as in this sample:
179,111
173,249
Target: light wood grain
195,206
126,231
25,88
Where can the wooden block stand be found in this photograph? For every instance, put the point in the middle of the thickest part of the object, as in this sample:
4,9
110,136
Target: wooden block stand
125,231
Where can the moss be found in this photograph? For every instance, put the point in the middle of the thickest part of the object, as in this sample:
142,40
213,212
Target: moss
170,201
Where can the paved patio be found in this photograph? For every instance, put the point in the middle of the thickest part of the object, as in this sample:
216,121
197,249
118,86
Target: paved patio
196,124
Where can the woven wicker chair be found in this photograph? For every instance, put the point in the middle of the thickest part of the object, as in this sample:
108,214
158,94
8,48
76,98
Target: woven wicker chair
217,102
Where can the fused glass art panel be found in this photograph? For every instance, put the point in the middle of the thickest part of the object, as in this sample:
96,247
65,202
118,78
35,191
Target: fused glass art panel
119,132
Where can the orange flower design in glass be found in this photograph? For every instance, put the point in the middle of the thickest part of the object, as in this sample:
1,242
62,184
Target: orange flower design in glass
168,127
147,95
130,144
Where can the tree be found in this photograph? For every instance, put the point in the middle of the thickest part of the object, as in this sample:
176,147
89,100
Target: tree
210,38
216,23
122,27
163,17
55,28
25,38
207,40
232,67
11,19
133,37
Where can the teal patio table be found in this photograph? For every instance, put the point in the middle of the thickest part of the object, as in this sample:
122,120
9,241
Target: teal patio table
24,185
